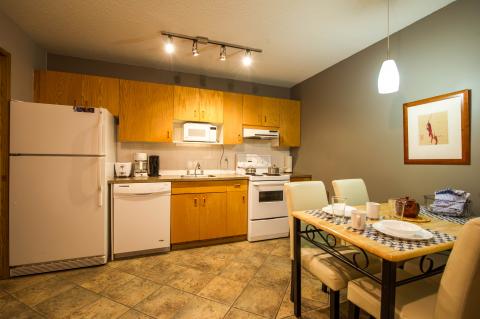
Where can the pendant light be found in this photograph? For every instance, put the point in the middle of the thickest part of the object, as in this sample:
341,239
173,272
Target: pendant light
388,79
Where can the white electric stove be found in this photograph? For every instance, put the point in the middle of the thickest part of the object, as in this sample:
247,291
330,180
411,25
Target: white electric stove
267,210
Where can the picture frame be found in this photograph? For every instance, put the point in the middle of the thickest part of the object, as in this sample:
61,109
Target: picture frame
436,130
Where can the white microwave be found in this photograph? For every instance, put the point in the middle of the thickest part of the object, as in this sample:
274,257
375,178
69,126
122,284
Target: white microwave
199,132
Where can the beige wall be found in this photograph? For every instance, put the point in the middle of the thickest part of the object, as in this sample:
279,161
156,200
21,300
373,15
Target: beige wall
349,130
177,156
26,56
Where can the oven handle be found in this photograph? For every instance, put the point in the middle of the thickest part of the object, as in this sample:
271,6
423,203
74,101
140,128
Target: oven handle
269,183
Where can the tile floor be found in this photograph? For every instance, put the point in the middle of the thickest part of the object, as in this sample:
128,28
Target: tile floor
232,281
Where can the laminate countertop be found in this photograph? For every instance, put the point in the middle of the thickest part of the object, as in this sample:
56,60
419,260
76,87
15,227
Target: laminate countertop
176,178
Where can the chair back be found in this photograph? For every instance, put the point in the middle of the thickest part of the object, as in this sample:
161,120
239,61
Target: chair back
354,190
304,196
459,293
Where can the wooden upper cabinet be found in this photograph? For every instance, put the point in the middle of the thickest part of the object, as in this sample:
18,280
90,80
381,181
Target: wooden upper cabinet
271,111
232,118
58,87
193,104
290,123
146,112
76,89
252,110
98,91
186,104
211,106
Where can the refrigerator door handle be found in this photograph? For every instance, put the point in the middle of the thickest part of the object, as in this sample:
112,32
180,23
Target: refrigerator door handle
100,181
100,134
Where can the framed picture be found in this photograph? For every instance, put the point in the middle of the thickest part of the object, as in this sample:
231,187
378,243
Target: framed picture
437,130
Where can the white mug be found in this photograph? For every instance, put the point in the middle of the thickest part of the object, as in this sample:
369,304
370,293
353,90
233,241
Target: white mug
373,210
359,219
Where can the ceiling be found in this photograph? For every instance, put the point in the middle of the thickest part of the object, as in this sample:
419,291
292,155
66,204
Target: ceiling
299,38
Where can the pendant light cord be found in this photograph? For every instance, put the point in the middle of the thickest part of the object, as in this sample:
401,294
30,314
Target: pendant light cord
388,29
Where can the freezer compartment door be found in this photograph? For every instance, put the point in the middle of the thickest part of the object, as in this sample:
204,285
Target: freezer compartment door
55,129
56,211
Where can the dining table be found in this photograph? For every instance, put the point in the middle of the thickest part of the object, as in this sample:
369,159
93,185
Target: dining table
328,232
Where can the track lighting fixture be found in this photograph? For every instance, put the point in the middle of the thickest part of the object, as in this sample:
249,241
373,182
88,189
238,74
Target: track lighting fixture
247,58
223,53
169,47
195,48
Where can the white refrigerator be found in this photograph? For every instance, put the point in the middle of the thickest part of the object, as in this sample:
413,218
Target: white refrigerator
61,158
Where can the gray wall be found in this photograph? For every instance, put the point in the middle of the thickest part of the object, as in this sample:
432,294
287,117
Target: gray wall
349,130
95,67
26,57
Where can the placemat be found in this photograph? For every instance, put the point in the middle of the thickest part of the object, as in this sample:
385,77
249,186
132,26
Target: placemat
328,217
452,219
402,244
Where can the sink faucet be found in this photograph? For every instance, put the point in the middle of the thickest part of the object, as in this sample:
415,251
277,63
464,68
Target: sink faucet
197,166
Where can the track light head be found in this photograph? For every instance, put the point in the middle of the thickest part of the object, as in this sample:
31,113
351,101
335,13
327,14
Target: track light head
223,53
247,58
195,48
169,47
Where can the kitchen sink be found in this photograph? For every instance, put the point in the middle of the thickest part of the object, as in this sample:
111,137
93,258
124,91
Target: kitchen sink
198,176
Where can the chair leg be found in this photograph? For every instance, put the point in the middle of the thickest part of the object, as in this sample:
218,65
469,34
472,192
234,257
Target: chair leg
291,281
334,304
353,311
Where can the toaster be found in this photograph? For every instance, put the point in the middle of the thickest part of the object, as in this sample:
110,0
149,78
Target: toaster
123,169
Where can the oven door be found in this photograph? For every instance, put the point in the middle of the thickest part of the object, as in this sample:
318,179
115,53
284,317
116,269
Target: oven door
266,200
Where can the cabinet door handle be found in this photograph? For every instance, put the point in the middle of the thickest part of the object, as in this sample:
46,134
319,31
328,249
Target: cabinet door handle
74,102
236,185
265,119
203,114
243,199
168,134
204,201
194,113
239,138
195,202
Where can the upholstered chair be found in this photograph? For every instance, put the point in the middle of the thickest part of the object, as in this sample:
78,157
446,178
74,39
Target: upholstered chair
331,272
456,296
354,190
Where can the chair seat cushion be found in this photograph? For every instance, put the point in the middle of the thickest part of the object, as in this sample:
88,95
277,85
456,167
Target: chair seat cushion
415,300
332,272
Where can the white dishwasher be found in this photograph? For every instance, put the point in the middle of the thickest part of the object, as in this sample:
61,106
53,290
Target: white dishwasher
140,218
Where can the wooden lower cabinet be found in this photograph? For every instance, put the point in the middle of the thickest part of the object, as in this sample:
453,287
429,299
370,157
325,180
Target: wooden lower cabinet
237,209
185,217
210,214
213,216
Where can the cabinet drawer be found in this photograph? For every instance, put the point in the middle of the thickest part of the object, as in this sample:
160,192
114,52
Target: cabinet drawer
237,186
199,187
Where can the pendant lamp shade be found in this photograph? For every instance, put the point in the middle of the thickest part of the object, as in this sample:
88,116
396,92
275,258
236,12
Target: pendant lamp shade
388,79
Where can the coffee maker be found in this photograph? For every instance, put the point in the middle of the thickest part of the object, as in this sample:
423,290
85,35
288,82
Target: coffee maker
140,165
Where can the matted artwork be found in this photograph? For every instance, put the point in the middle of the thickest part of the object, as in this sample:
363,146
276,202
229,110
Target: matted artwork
437,130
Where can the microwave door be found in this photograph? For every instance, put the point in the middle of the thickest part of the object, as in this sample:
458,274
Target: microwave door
195,135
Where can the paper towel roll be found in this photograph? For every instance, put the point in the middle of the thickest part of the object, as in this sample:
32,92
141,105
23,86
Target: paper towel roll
288,164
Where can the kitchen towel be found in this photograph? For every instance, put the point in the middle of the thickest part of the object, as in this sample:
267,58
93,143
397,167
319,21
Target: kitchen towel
450,202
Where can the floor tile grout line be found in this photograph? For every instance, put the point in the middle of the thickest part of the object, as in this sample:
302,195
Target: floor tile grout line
30,307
